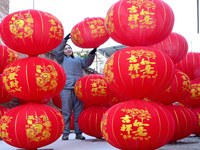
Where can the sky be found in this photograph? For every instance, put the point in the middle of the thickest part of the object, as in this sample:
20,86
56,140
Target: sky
71,12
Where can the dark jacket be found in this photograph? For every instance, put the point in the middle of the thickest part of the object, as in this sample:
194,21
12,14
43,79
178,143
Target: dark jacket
72,66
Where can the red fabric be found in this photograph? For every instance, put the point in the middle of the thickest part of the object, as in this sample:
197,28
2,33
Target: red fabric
57,101
4,95
34,78
178,90
89,33
175,46
89,121
137,124
190,65
139,23
7,56
31,126
138,72
3,110
93,89
196,112
193,99
185,121
31,32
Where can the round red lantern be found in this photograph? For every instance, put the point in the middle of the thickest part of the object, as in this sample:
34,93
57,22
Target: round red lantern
44,101
185,121
31,32
175,46
138,72
89,33
57,101
7,56
3,110
118,98
139,23
196,112
31,126
193,99
4,95
93,89
89,121
190,65
34,78
177,91
137,124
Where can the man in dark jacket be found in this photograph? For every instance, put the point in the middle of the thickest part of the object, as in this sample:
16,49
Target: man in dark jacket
73,69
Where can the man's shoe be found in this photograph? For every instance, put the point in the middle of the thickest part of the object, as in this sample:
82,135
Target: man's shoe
80,137
65,136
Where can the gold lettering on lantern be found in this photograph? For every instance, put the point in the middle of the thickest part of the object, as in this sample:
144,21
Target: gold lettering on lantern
186,82
141,64
108,69
195,91
46,77
109,18
134,124
99,87
21,25
97,28
56,30
141,14
198,119
103,126
38,128
78,89
12,56
10,80
5,120
77,37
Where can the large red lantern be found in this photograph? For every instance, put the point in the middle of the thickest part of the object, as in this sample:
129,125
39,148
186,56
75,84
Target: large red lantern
137,124
175,46
177,91
185,121
190,65
89,33
7,56
89,121
193,99
139,23
93,89
196,112
4,95
138,72
31,32
3,110
31,126
34,78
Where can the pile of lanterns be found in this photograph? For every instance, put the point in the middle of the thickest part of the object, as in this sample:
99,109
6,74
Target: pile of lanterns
131,104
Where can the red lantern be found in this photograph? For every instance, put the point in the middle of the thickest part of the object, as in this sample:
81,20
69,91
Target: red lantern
44,101
4,95
89,33
196,112
138,72
118,98
190,65
34,78
89,121
3,110
31,32
6,57
175,46
93,89
57,101
179,90
139,23
137,124
193,99
31,126
185,121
